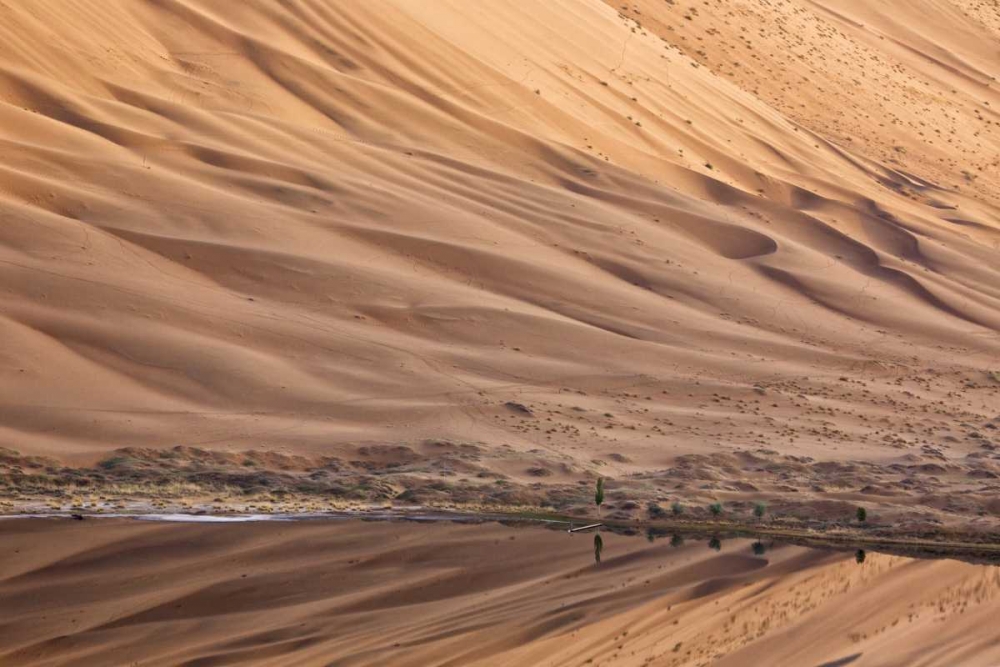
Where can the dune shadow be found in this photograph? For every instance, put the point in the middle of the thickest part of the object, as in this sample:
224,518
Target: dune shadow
840,662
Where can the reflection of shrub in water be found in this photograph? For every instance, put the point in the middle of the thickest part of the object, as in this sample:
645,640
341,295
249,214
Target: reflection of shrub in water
758,548
676,541
715,543
860,556
652,533
598,547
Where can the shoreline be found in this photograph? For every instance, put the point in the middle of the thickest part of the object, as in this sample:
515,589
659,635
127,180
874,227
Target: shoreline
957,546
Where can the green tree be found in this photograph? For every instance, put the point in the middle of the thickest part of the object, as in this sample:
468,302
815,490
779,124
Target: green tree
715,509
759,510
862,514
599,495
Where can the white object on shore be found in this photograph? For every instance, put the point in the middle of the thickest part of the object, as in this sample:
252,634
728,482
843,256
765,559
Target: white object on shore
577,530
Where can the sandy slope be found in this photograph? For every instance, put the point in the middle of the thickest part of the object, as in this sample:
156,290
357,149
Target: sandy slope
680,229
122,593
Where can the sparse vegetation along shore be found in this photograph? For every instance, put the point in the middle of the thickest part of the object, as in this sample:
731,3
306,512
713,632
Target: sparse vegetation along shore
440,475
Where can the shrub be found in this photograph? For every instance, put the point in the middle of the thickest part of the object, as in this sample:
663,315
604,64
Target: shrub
715,509
862,514
759,510
655,511
116,462
677,508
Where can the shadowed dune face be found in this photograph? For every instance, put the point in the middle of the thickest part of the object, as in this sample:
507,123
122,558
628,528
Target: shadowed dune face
666,229
115,592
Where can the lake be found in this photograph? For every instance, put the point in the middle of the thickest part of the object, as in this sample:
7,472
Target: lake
118,591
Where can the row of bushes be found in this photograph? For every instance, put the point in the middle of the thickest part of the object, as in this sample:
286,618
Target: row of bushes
716,509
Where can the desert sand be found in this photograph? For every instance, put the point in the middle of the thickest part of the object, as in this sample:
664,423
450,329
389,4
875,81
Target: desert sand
124,592
485,252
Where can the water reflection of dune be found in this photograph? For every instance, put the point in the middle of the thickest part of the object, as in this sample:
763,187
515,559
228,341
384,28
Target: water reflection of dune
113,592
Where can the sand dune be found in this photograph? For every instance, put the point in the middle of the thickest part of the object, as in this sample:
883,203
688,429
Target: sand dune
352,593
666,230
